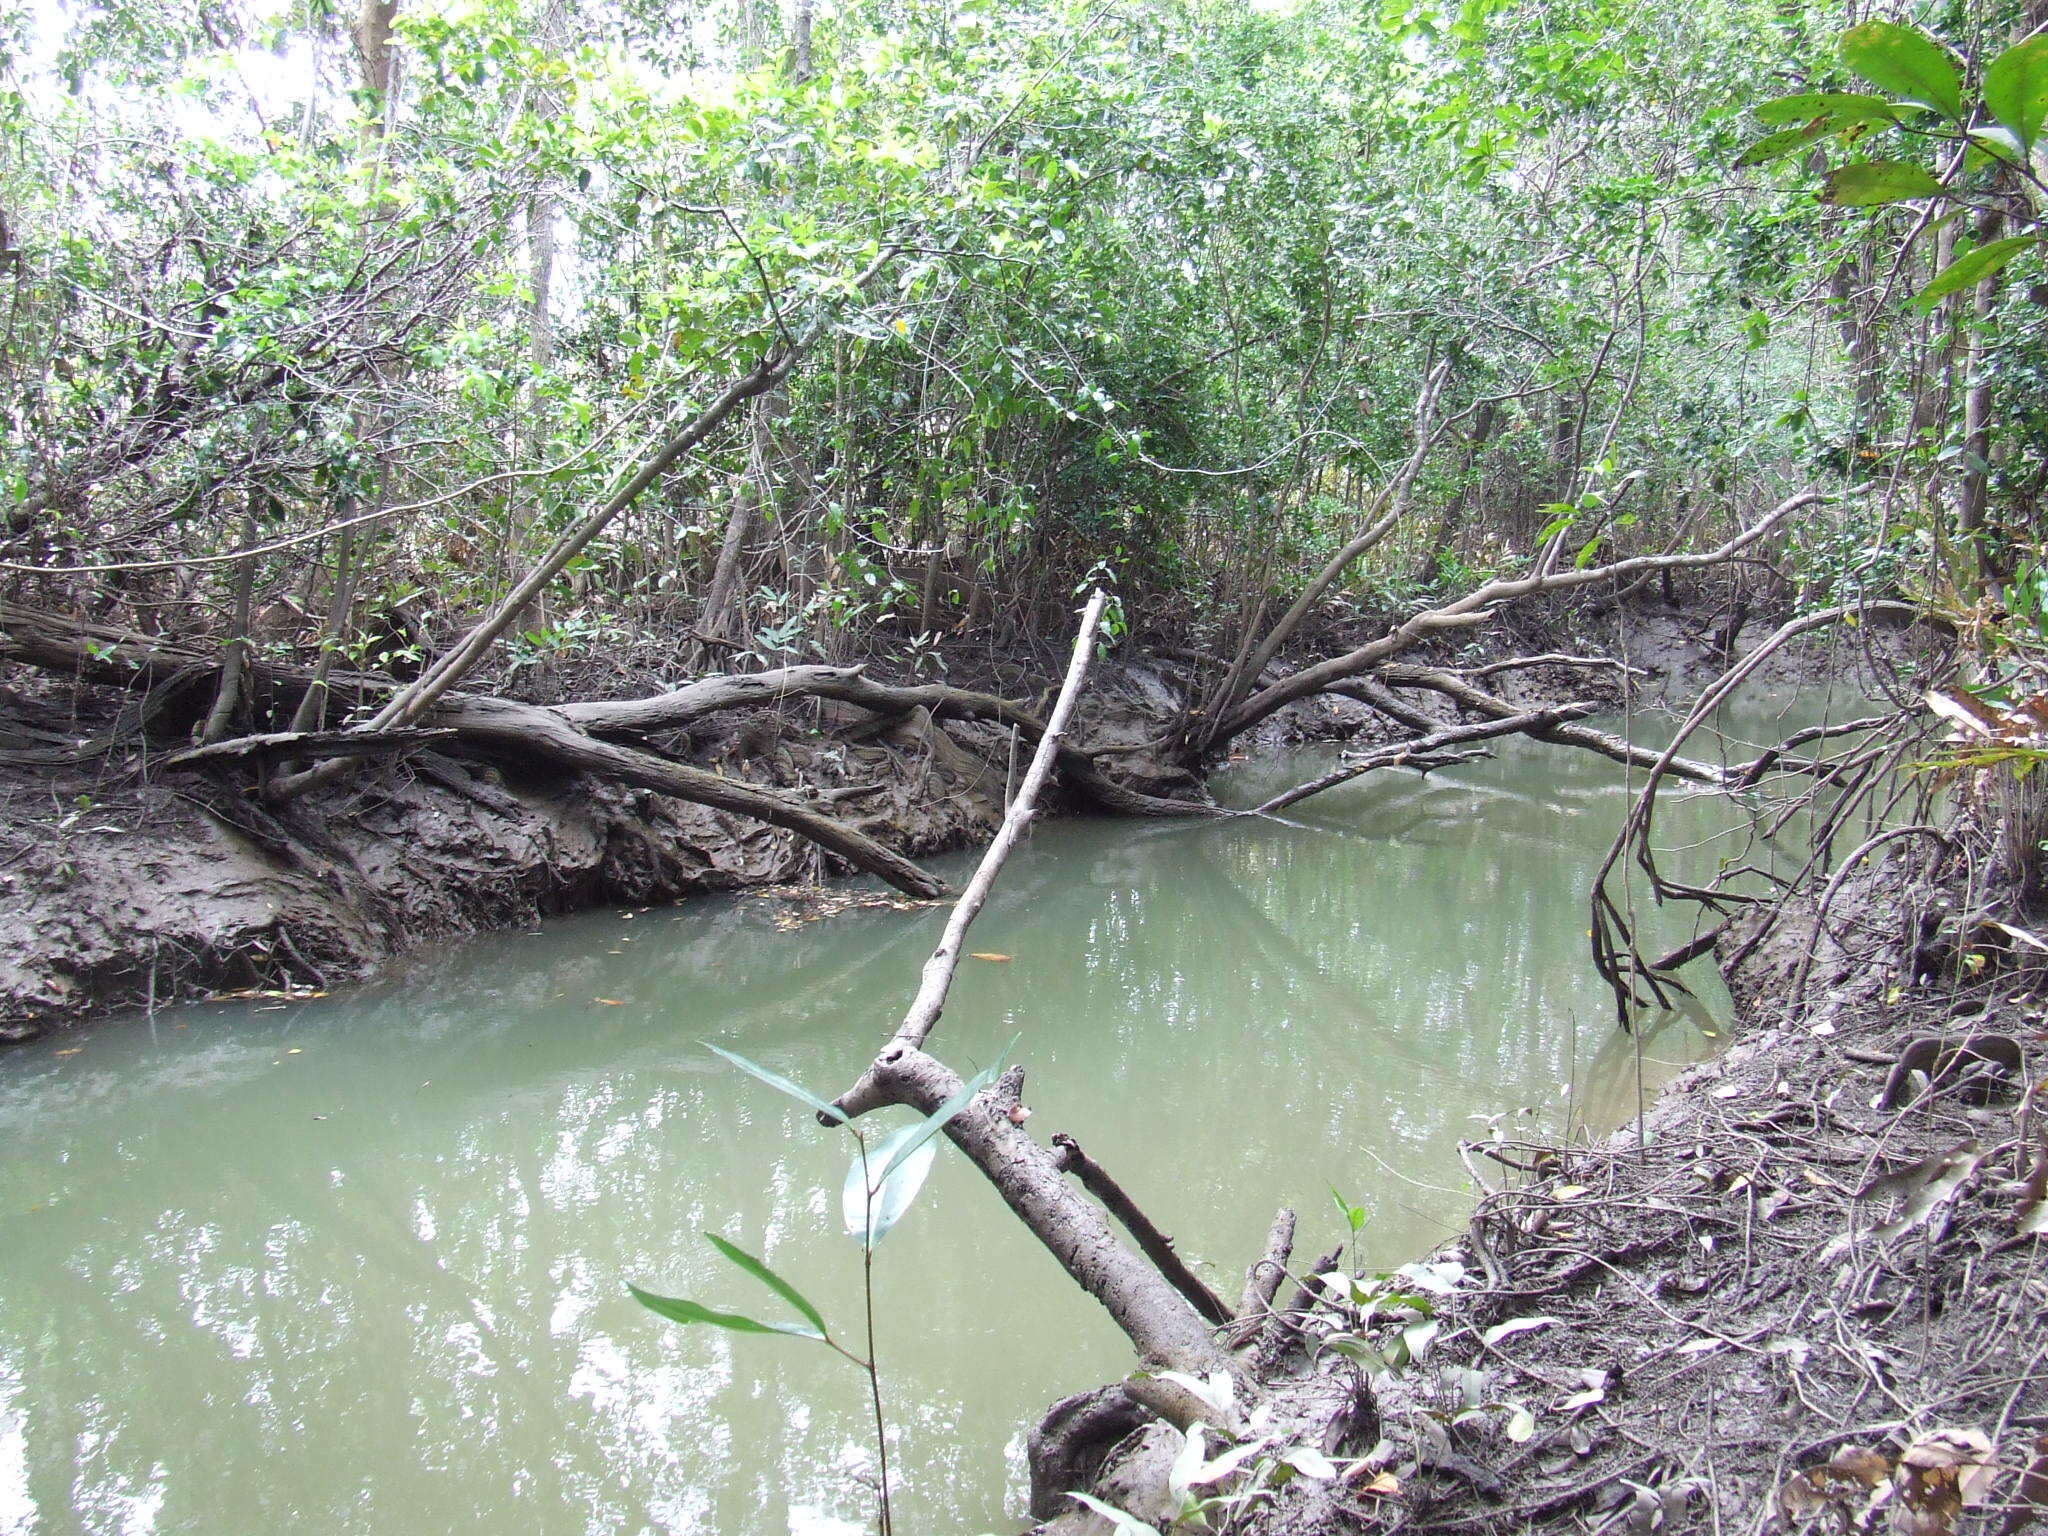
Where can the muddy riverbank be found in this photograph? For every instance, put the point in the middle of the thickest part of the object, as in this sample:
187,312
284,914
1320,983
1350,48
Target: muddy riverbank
122,886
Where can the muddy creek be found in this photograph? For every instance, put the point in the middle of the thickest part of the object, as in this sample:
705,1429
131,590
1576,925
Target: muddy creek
358,1263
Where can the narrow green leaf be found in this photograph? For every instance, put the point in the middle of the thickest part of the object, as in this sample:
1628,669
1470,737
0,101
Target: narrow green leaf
778,1082
769,1278
1907,62
2016,88
679,1311
878,1208
1838,109
936,1120
1776,146
1969,270
1873,183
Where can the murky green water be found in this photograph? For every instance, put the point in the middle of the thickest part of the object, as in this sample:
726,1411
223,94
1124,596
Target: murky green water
358,1264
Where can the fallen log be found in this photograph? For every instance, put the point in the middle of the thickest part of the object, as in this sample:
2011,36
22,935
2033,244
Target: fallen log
1617,748
112,656
692,702
1262,1280
1474,608
1161,1323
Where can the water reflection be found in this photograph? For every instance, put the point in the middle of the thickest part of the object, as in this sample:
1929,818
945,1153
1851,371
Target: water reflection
357,1264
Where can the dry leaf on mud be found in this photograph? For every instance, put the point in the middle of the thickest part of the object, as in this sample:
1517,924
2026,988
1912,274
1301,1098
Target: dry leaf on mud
1942,1473
1927,1185
1384,1486
2031,1218
2034,940
1837,1496
1596,1392
2030,1499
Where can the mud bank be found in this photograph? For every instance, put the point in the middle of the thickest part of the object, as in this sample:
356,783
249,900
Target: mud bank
152,893
123,887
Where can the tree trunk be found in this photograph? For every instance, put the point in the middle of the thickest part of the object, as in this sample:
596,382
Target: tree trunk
235,654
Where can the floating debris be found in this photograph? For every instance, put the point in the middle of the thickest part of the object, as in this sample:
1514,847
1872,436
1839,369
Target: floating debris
803,904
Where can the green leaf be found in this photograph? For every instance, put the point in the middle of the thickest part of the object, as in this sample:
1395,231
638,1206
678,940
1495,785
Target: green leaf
1992,143
679,1311
1838,109
1775,146
1124,1524
1355,1216
778,1082
1969,270
1907,62
883,1205
2016,88
1309,1462
1352,1347
769,1278
1873,183
936,1120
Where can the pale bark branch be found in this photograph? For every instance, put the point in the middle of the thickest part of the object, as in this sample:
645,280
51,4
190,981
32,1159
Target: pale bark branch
1426,752
1390,507
1475,608
937,979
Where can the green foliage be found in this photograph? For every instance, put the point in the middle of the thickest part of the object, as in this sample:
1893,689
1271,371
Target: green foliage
1873,183
1906,62
2016,90
1143,264
691,1312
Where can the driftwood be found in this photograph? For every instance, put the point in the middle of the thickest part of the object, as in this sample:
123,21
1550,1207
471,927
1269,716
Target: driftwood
851,685
276,746
1564,734
1262,1280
